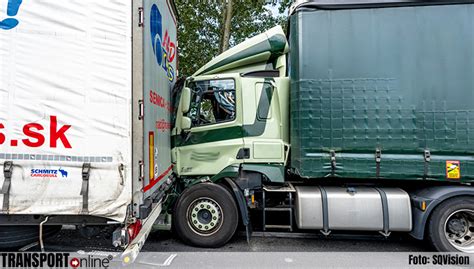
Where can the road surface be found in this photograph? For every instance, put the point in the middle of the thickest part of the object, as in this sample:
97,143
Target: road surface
71,240
163,249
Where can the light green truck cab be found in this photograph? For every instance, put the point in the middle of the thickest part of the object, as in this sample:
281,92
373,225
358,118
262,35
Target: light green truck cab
235,111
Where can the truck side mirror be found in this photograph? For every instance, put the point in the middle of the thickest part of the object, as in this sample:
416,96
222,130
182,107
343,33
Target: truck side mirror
186,100
185,123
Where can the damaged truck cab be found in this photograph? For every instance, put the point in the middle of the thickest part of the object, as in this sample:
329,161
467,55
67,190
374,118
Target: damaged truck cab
338,126
235,110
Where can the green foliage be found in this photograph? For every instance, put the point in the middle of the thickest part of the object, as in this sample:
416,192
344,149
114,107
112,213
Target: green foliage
201,27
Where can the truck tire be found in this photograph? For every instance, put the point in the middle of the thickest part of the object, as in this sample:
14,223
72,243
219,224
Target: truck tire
451,226
12,237
206,215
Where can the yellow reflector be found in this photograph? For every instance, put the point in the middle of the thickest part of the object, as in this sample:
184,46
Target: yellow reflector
151,157
126,259
423,206
253,199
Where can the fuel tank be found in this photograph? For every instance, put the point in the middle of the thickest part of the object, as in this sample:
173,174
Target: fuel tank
353,208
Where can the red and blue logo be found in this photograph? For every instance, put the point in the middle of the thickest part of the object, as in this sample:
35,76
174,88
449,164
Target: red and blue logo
163,47
49,173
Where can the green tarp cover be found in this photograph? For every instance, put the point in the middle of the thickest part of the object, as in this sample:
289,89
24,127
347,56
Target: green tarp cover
397,80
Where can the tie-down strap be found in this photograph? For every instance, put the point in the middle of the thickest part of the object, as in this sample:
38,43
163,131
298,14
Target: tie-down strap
86,170
7,173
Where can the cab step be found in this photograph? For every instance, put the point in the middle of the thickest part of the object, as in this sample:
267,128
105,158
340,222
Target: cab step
273,190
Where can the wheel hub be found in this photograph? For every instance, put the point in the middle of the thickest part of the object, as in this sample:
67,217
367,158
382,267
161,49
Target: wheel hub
457,226
205,216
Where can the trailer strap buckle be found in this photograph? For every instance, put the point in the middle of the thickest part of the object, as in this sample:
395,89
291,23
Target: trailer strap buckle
378,159
333,162
427,157
86,170
7,173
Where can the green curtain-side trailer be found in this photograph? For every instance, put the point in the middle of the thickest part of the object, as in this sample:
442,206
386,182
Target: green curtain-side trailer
383,92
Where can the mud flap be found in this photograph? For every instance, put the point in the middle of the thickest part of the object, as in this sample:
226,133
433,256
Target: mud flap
242,207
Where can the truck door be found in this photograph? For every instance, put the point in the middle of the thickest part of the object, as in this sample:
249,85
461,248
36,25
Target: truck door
215,136
265,119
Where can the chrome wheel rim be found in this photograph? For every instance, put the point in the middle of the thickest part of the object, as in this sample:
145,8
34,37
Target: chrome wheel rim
204,216
459,230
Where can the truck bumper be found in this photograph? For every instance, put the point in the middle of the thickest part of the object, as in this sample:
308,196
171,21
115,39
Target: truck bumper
133,249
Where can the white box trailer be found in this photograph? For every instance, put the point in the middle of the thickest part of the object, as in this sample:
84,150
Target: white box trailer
85,109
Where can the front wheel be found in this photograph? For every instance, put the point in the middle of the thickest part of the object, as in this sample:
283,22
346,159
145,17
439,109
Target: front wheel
451,227
206,215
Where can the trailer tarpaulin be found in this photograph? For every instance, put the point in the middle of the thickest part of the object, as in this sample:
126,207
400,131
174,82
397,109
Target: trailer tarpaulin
65,101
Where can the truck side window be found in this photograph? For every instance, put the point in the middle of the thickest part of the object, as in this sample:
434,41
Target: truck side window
213,101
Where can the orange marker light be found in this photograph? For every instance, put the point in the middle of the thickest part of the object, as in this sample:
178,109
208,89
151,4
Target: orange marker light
423,206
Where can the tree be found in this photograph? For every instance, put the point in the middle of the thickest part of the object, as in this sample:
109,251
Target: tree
208,28
227,10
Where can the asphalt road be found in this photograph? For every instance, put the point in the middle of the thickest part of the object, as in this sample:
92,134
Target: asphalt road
163,249
305,243
71,240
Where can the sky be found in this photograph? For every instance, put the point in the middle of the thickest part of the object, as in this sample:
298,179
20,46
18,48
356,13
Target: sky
274,9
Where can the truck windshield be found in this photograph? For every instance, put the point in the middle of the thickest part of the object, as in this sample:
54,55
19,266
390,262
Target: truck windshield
212,101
